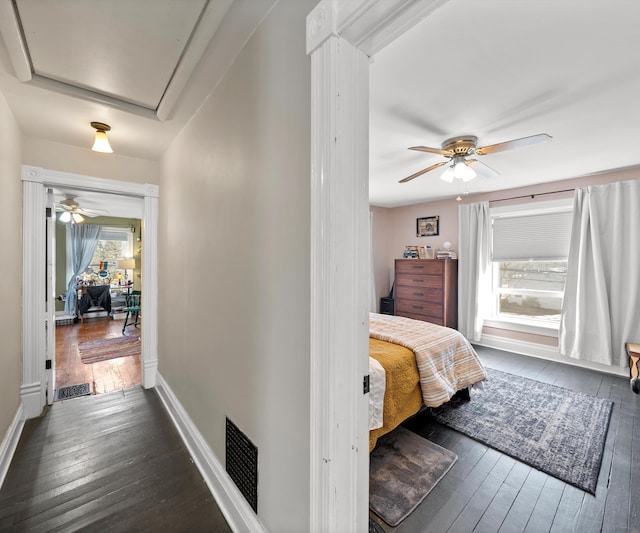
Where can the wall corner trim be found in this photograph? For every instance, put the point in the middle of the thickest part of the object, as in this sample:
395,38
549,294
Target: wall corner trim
235,508
10,443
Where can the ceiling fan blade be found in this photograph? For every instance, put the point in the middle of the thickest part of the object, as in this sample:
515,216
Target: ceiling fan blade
439,151
482,169
423,171
515,143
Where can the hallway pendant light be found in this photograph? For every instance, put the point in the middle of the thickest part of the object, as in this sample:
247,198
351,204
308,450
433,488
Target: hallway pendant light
101,142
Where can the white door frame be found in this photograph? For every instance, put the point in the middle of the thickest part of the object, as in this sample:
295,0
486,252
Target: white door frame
342,35
35,182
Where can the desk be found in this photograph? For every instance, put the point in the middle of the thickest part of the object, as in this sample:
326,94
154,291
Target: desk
99,299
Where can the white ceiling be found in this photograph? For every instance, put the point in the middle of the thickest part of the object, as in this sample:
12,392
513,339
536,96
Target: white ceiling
500,70
143,67
497,69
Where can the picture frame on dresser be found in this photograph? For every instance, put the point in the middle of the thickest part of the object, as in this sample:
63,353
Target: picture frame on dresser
427,226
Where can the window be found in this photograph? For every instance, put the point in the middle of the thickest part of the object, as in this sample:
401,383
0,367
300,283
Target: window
113,244
530,246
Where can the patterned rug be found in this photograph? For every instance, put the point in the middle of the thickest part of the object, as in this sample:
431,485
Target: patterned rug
403,469
105,349
555,430
73,391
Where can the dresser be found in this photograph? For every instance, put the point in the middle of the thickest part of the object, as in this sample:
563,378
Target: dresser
427,289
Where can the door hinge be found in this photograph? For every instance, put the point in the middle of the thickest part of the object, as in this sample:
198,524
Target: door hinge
47,364
365,384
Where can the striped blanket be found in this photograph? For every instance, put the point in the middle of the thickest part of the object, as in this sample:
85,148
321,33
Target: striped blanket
446,361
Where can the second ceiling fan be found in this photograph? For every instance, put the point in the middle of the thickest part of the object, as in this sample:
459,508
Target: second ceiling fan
457,150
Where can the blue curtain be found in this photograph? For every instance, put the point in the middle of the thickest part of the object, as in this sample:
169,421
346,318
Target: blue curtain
84,240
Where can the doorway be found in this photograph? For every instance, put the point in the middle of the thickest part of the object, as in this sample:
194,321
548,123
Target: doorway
37,317
96,342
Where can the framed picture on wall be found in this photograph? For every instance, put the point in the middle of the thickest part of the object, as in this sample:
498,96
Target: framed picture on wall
427,226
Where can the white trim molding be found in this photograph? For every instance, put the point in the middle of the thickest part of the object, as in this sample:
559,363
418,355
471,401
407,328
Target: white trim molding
233,505
341,37
547,352
10,443
149,328
35,182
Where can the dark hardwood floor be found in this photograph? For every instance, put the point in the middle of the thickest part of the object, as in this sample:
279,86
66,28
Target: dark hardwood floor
105,376
106,463
489,492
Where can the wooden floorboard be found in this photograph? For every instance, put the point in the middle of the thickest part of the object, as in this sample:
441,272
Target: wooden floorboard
104,376
486,491
109,462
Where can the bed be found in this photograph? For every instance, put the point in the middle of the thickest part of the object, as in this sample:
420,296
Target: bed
414,364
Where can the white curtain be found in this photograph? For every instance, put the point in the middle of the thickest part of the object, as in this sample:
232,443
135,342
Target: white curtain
601,307
474,273
84,240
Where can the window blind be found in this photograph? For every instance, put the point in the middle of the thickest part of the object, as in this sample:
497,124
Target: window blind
114,234
538,237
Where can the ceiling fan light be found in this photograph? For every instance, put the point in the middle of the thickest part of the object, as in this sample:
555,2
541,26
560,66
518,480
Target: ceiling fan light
101,141
77,218
463,171
65,217
448,175
468,176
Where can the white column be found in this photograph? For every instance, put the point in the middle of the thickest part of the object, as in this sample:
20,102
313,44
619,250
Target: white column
339,278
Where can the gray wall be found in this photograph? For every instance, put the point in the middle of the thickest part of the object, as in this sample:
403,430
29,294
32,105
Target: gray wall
234,262
11,246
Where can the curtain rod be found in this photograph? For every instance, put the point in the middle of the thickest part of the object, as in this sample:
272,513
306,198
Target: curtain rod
531,195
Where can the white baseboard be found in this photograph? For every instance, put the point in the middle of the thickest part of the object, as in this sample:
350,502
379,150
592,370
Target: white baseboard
10,443
542,351
32,400
233,505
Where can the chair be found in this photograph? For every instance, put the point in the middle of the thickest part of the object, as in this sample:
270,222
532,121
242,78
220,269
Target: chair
633,351
132,309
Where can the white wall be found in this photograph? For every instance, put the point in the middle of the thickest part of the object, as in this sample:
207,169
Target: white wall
83,161
400,229
234,268
11,246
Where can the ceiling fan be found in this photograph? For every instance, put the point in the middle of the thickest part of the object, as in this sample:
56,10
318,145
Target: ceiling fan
72,212
458,149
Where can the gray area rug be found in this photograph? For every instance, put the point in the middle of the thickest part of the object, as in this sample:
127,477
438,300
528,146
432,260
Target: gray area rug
403,469
552,429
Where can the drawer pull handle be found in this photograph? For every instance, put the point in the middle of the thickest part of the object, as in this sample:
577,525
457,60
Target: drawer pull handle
418,293
417,306
417,280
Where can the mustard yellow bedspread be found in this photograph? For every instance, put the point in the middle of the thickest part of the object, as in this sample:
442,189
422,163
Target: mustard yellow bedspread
402,395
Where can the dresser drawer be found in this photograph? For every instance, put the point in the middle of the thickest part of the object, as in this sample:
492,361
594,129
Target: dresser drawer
422,293
418,281
425,318
433,267
422,310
